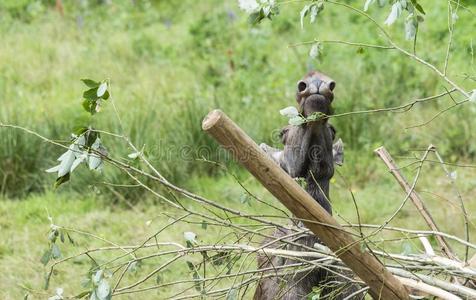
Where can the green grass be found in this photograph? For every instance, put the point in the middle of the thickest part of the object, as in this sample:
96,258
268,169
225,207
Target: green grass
169,64
25,225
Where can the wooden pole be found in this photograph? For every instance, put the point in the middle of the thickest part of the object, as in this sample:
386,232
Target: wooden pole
415,197
383,285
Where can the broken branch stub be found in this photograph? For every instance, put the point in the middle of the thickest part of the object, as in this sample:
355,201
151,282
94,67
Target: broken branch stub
383,285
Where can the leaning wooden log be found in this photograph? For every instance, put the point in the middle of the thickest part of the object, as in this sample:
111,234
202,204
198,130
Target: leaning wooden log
382,284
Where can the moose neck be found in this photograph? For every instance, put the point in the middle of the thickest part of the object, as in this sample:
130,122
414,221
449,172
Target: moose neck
321,166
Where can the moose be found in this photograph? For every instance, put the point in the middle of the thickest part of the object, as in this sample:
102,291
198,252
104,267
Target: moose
308,153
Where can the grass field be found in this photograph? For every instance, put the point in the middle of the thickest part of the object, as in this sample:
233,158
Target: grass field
169,63
25,225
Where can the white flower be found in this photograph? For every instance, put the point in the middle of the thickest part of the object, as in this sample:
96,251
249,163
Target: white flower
249,6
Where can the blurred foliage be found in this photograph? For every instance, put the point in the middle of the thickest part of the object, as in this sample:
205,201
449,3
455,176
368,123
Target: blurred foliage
171,62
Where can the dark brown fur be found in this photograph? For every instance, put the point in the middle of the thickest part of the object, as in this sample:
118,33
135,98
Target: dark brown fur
308,153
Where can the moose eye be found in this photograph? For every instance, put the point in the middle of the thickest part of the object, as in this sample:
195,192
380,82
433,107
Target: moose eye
302,86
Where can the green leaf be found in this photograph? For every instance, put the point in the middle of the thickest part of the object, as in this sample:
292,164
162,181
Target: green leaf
103,291
90,106
86,282
454,18
77,161
302,182
79,130
316,8
91,137
303,14
60,180
363,246
219,258
410,28
96,277
47,280
45,258
190,236
298,120
418,6
315,51
101,89
91,94
190,265
244,198
289,112
134,155
197,277
407,248
158,279
59,293
67,160
106,95
90,83
55,251
313,14
52,236
53,169
315,117
93,296
394,13
69,238
82,295
94,162
134,266
256,17
472,98
232,294
270,10
367,4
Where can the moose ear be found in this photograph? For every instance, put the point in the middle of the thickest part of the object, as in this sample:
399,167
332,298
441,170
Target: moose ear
338,152
284,134
273,153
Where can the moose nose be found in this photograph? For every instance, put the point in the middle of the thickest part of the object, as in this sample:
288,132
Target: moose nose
326,87
305,88
302,86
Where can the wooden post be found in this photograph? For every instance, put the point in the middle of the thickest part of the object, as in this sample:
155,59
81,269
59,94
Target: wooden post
383,285
415,197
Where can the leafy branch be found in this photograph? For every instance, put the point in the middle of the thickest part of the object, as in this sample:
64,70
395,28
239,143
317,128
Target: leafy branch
296,118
